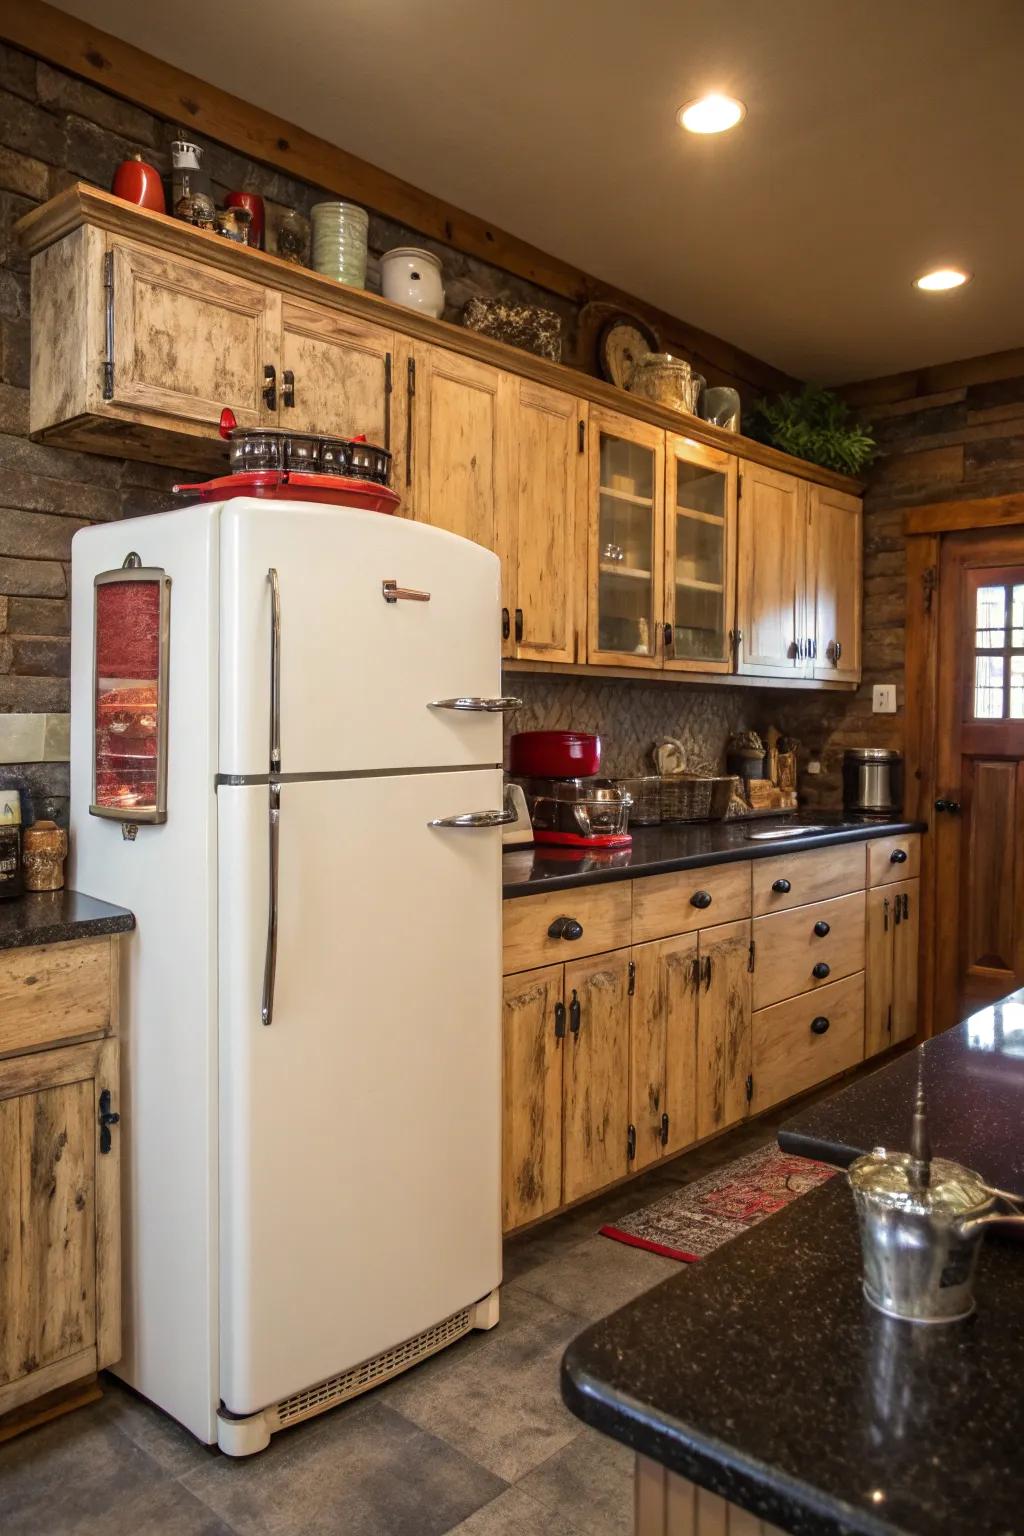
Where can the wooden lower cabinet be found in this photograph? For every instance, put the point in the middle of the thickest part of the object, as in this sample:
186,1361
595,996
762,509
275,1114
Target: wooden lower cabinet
596,1074
893,938
533,1025
723,1027
60,1261
663,1048
806,1040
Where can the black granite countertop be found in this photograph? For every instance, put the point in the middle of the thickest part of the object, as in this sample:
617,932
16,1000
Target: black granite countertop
658,850
974,1085
50,917
762,1374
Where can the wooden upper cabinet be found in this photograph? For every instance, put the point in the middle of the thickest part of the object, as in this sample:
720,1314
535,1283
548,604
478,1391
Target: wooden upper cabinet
625,538
546,564
700,556
456,472
834,564
188,340
337,374
596,1074
770,597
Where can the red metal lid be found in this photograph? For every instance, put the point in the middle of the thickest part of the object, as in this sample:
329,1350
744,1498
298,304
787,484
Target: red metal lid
288,485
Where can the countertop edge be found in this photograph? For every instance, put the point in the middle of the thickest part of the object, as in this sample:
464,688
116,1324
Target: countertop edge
512,890
60,930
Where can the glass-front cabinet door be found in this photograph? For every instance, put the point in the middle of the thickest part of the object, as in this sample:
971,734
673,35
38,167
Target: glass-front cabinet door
700,522
626,541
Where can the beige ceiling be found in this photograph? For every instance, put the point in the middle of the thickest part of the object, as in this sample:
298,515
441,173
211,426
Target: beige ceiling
882,137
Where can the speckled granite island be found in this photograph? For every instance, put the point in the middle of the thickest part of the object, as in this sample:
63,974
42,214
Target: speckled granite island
762,1393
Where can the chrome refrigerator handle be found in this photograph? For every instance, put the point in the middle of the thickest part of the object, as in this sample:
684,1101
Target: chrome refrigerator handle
275,671
270,964
473,705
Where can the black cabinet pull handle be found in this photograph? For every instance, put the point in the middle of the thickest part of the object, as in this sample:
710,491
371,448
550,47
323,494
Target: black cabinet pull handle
819,1026
897,912
783,887
898,856
574,1014
670,639
559,1020
106,1117
700,899
664,1130
695,972
565,928
519,625
707,972
506,624
906,905
288,387
270,386
821,970
822,929
631,1142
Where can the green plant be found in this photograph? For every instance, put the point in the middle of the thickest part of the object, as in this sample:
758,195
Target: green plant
814,425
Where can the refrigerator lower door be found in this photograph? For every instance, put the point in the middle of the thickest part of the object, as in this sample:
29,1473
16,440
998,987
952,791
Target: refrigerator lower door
383,627
360,1130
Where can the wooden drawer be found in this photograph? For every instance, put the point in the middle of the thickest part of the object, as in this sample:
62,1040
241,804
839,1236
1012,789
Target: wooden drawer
894,858
802,877
53,992
790,1056
667,904
602,911
787,948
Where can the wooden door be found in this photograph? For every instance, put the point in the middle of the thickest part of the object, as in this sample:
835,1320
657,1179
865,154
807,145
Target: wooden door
533,1031
700,556
60,1261
723,1027
596,1074
189,340
906,941
545,586
834,564
979,821
625,541
771,620
457,449
663,1048
338,376
878,978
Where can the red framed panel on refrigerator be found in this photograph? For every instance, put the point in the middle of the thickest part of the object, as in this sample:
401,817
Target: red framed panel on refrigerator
131,626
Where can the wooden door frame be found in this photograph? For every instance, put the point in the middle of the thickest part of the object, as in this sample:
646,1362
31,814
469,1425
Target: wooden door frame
924,528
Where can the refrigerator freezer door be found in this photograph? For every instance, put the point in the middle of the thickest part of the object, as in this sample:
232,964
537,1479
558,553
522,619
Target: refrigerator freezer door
379,619
360,1130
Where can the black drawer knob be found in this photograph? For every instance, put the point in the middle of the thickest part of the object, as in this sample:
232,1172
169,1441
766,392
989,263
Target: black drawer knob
565,928
822,929
820,970
782,886
898,856
700,899
819,1026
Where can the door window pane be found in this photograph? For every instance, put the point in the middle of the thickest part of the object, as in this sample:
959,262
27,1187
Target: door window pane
1017,687
700,489
1017,619
988,688
626,580
991,618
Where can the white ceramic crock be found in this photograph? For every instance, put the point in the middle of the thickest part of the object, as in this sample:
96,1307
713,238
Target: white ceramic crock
413,278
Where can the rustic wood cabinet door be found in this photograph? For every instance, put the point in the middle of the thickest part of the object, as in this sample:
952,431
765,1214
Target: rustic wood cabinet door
548,473
700,556
533,1034
663,1048
626,541
878,963
338,374
60,1263
773,628
834,584
723,1026
189,340
596,1080
906,940
457,449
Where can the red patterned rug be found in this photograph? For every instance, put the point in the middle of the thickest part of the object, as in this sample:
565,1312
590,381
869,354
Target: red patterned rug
698,1218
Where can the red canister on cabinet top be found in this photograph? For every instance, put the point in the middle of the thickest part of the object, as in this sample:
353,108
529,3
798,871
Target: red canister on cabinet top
140,183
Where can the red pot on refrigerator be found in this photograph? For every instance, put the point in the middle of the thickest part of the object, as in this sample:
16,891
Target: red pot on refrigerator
554,755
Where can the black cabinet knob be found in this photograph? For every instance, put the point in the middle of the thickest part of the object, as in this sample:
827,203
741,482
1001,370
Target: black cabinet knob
565,928
822,929
819,1026
782,886
898,856
821,970
942,805
700,899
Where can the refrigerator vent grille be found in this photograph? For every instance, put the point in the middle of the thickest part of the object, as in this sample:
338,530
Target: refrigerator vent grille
337,1389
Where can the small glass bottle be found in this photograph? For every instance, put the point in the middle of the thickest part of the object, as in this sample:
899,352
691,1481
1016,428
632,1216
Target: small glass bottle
191,196
11,882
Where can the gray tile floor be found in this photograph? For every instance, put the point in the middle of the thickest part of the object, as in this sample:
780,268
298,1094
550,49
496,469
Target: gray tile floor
474,1441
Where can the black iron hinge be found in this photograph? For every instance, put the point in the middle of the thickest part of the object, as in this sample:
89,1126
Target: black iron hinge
108,325
581,438
751,955
888,1022
632,978
929,582
107,1117
750,1087
631,1142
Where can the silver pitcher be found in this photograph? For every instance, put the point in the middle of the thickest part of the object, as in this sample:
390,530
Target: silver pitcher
921,1224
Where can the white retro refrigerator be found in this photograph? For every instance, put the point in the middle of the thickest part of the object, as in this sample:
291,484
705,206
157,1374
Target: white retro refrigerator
310,1001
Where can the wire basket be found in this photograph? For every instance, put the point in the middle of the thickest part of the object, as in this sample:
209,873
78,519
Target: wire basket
689,797
645,790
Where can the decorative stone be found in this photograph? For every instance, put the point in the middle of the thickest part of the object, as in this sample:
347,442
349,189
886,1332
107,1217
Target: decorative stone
521,325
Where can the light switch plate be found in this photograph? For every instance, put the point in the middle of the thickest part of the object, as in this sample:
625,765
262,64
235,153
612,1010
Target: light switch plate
883,699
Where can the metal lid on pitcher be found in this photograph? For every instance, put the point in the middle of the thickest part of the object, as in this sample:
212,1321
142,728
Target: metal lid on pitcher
887,1179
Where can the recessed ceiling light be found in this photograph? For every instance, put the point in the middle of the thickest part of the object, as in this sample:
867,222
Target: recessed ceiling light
711,114
941,280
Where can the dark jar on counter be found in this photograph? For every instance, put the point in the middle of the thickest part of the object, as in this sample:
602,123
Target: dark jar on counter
11,881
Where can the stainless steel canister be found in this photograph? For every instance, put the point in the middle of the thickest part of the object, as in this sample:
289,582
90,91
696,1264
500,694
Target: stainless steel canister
873,781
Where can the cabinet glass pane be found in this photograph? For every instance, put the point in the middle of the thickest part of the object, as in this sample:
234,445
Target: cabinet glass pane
698,577
626,577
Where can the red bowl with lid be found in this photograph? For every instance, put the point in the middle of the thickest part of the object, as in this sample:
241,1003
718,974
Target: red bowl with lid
554,755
